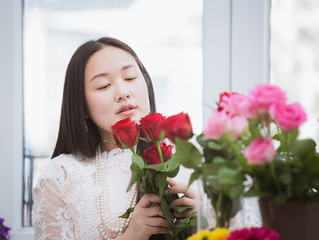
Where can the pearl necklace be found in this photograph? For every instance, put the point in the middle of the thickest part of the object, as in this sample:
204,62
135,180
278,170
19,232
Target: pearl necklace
104,225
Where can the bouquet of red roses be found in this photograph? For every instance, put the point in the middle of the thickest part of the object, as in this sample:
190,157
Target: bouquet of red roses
157,163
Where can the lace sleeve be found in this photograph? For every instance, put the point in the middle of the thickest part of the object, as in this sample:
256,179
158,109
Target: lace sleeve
51,218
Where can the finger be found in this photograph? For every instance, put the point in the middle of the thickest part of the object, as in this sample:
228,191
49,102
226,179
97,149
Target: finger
158,222
180,188
160,230
183,202
147,199
154,211
171,181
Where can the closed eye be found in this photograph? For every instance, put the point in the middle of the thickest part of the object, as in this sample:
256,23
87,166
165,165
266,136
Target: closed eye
103,87
129,79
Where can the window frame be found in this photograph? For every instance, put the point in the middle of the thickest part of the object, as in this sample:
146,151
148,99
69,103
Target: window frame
224,45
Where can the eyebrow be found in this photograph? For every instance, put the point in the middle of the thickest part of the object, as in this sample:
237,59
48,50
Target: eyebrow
105,74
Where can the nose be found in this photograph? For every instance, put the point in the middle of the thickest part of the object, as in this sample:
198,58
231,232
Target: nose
122,93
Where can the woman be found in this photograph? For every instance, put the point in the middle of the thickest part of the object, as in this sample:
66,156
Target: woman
82,191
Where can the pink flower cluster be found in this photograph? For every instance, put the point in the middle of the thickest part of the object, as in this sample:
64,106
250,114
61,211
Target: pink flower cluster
260,233
236,110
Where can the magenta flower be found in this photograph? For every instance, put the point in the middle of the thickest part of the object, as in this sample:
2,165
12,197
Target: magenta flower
265,95
288,116
254,233
260,151
217,126
238,125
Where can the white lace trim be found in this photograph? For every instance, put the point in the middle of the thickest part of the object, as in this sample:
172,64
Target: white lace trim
117,158
65,219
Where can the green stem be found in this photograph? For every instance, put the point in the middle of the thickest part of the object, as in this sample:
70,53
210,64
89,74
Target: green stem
218,211
133,151
274,176
159,150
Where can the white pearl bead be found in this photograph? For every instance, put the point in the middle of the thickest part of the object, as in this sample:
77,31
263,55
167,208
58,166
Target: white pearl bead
100,202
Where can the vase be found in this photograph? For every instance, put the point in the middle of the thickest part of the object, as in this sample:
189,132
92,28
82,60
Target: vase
293,220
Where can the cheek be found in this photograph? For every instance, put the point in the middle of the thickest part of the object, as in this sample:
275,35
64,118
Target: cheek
142,93
97,104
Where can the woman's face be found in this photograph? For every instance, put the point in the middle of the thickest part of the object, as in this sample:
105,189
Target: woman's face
114,89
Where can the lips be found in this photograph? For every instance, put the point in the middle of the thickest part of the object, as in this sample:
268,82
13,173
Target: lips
125,108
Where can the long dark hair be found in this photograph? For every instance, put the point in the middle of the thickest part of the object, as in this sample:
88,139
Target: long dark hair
72,136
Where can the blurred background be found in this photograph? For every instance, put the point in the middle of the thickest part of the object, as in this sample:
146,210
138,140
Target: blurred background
192,49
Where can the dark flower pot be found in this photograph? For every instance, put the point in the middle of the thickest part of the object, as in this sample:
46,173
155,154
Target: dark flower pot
294,220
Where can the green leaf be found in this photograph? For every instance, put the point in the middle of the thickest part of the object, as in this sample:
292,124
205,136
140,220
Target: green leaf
203,222
173,173
160,179
302,147
257,193
127,213
286,178
194,176
137,173
218,160
276,137
214,145
235,191
171,164
230,176
181,209
157,167
166,211
187,154
138,160
289,136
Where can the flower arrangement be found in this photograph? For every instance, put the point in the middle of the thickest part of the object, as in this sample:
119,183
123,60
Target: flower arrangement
151,170
251,142
260,233
4,231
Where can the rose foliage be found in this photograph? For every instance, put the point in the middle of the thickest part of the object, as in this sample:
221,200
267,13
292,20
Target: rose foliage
250,147
150,171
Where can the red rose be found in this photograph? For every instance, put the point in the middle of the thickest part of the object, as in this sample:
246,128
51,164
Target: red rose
150,126
223,100
151,155
125,133
177,126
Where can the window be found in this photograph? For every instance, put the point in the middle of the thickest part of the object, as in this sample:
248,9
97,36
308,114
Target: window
294,56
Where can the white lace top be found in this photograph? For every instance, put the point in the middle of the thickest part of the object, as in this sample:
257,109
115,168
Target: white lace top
65,195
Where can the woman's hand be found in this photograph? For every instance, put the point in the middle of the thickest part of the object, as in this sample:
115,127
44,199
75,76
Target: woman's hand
146,220
189,198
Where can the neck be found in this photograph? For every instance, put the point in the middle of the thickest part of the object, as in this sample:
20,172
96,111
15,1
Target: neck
107,147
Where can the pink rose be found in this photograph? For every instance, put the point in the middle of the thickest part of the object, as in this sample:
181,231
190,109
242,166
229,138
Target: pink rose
239,105
260,151
264,95
217,126
288,116
238,125
223,100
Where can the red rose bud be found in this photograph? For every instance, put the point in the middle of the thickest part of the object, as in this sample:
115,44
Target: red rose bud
150,127
223,100
125,133
177,126
151,155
